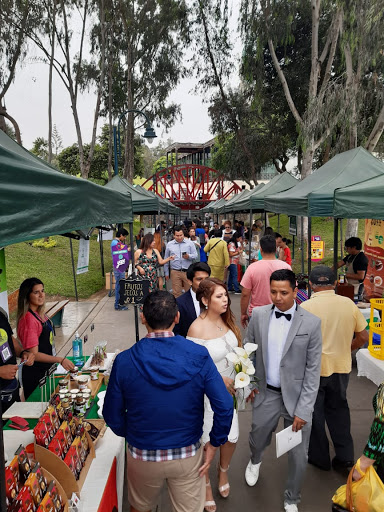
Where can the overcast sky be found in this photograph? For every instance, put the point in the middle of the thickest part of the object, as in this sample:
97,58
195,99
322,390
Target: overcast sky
27,102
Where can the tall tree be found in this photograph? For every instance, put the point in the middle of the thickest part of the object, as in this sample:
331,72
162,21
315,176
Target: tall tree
13,47
148,63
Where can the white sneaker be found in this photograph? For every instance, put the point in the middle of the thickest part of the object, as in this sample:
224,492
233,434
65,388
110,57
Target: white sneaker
290,507
252,473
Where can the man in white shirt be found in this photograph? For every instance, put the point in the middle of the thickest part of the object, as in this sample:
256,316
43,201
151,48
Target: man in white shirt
287,363
189,307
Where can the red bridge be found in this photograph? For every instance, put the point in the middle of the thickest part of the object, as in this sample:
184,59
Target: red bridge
191,186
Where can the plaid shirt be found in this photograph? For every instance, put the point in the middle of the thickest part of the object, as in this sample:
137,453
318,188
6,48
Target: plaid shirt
164,455
172,453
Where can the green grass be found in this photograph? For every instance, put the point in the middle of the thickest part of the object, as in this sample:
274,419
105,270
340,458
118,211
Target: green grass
54,267
320,227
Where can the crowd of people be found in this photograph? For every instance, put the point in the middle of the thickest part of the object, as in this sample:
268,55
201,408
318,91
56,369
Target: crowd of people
303,362
181,372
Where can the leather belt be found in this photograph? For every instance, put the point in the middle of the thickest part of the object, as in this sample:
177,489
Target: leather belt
273,388
179,269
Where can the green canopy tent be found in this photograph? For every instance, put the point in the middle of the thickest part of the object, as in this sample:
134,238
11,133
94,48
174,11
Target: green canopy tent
256,200
141,203
313,196
207,207
166,205
217,205
39,201
361,201
228,206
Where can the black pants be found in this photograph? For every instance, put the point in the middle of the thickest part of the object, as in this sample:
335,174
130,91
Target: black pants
331,408
31,376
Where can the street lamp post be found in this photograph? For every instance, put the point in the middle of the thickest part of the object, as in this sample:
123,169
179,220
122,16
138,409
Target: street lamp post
149,134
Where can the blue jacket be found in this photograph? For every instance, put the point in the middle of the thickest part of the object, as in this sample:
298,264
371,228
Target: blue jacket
187,313
155,395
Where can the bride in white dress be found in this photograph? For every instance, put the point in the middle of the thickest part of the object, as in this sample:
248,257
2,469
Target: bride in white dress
215,328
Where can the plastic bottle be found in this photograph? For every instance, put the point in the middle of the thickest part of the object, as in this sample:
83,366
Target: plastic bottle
77,347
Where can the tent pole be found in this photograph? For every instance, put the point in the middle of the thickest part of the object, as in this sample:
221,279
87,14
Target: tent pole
341,236
250,237
73,269
309,245
302,243
278,222
134,273
293,247
3,507
101,252
335,244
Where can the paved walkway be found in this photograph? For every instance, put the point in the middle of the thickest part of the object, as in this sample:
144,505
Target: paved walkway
118,328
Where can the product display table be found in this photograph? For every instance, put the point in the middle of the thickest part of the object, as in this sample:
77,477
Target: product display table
104,484
370,367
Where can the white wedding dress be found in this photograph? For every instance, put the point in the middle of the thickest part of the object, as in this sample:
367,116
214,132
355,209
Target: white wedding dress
218,348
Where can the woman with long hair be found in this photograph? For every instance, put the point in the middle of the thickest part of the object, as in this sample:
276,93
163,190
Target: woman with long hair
285,251
147,259
35,331
235,248
215,328
159,246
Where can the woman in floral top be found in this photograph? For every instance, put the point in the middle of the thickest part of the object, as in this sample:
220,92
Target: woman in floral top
373,453
147,259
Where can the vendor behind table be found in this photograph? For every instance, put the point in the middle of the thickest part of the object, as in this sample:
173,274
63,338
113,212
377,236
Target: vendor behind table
36,334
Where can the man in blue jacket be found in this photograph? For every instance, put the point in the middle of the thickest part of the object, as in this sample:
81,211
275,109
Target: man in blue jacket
155,400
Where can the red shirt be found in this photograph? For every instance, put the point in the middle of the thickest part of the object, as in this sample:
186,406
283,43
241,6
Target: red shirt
288,257
29,330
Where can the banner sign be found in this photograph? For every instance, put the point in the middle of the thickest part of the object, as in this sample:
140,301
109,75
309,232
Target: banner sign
3,282
133,291
374,251
120,255
83,257
317,248
292,230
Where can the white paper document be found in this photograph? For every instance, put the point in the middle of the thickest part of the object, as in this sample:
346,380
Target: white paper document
286,440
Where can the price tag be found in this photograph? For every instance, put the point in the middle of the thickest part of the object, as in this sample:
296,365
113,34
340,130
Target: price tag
42,381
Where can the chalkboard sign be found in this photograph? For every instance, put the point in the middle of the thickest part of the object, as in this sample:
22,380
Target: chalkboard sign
133,291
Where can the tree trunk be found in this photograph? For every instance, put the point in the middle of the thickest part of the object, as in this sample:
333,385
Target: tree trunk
352,227
129,171
376,132
4,114
50,124
110,120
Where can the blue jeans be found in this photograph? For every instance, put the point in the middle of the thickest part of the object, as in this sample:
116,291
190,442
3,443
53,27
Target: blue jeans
118,275
232,278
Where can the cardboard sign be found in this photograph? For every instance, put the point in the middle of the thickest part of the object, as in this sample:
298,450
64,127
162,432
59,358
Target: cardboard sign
83,257
374,251
133,291
317,249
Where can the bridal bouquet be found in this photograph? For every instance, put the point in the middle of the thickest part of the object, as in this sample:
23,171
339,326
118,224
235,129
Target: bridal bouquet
245,371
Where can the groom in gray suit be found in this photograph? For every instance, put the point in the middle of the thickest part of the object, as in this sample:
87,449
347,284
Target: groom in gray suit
288,365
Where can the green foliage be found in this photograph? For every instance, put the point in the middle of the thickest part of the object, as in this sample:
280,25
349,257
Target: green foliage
45,244
54,266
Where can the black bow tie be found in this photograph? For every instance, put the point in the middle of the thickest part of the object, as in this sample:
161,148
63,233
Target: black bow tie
287,316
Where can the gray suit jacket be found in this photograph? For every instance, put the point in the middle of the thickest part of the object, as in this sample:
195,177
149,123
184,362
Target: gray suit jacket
300,362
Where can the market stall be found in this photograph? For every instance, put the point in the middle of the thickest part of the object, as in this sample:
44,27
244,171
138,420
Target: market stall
99,478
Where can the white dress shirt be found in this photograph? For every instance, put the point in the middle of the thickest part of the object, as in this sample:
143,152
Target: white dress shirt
277,336
196,303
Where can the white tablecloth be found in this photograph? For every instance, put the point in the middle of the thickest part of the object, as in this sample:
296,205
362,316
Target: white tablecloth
107,448
370,367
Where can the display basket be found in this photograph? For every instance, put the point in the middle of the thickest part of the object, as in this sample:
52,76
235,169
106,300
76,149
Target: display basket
376,330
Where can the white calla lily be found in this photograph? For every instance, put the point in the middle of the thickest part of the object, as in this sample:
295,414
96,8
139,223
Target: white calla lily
242,380
250,348
240,352
233,358
249,369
